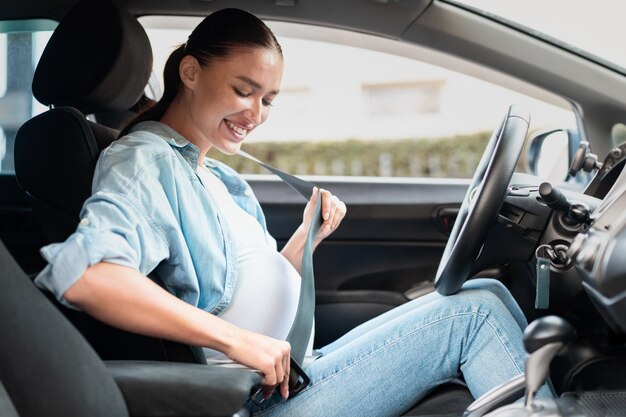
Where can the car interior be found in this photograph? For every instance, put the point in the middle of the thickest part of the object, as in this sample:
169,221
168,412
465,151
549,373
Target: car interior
401,239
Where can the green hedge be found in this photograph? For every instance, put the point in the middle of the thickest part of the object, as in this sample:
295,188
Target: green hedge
433,157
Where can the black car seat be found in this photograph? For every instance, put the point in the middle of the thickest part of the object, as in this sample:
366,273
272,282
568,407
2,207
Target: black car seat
48,369
98,60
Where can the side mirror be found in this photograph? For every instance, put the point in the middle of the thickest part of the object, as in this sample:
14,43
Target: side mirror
551,153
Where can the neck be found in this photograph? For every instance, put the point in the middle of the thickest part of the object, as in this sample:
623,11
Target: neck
179,120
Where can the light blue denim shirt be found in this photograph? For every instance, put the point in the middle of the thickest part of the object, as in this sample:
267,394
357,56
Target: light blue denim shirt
150,211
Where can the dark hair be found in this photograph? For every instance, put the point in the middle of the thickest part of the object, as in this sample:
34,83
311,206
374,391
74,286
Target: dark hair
215,38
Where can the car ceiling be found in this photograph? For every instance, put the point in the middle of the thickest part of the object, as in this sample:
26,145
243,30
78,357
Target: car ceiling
393,16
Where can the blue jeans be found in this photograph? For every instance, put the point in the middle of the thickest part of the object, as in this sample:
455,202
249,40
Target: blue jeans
384,366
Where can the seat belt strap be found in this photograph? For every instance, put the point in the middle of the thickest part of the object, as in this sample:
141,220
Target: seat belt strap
300,331
7,408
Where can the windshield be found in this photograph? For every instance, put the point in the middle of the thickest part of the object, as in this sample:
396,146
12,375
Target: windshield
595,29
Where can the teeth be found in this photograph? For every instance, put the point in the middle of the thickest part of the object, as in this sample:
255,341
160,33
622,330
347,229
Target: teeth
236,128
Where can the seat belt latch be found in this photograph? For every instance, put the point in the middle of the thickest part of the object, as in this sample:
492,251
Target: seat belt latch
298,379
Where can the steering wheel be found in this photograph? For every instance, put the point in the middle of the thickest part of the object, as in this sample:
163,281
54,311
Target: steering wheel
483,201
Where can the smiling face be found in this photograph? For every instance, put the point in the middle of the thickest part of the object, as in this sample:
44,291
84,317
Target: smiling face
227,99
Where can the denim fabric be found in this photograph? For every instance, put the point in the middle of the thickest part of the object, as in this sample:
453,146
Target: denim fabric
149,210
386,365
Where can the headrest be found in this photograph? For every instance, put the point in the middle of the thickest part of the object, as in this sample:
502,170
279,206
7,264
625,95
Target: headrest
98,59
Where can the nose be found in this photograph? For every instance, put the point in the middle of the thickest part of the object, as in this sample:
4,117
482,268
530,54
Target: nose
254,113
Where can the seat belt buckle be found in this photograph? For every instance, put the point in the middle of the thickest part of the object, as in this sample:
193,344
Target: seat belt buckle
298,379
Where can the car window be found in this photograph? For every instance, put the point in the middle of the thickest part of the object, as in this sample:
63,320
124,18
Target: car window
601,41
21,45
351,111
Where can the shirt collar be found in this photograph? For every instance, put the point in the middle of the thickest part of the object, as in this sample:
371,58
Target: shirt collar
189,151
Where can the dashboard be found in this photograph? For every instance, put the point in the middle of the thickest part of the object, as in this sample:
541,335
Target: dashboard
599,255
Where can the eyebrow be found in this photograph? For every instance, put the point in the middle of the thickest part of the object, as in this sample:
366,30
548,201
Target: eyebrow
253,83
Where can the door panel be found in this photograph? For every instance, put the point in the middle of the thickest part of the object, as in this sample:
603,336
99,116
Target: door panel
391,239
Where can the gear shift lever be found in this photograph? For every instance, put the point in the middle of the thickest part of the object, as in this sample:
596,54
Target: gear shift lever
543,338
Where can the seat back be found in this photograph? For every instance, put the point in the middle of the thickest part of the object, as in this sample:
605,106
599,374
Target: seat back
98,60
55,157
46,366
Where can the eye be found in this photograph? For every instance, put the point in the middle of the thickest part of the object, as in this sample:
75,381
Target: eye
267,103
240,93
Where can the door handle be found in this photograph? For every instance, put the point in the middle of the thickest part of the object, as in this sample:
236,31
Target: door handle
445,218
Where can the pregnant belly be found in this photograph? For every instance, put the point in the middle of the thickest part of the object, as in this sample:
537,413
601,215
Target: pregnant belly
266,294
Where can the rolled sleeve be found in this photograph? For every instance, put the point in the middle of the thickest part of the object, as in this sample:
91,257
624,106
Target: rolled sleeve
112,230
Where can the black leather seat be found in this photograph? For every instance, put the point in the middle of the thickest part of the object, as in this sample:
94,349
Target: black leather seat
48,369
98,60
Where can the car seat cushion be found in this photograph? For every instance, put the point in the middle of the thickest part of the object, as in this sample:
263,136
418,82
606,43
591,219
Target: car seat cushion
42,356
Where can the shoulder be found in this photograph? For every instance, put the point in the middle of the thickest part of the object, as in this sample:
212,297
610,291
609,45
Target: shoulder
139,145
146,144
138,157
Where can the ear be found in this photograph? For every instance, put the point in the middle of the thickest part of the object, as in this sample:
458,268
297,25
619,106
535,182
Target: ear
188,70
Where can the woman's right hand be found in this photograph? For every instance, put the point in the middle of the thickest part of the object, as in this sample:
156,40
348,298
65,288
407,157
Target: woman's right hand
268,356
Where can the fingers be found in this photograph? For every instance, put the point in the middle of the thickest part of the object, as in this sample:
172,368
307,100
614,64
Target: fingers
310,206
277,371
280,373
284,386
327,204
314,196
330,207
287,367
340,213
267,355
333,212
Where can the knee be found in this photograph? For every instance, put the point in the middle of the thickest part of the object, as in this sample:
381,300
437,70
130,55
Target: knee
484,298
488,284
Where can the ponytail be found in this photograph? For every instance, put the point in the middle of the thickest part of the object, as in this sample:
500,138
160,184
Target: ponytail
171,80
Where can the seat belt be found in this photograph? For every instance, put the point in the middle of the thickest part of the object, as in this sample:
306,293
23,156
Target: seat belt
300,331
7,408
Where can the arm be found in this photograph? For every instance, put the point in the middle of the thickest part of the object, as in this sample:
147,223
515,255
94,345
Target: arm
124,298
333,212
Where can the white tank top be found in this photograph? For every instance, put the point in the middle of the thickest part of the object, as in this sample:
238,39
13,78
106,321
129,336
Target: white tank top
266,294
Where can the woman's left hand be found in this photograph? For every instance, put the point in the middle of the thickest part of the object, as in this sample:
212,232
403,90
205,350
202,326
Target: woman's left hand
333,212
